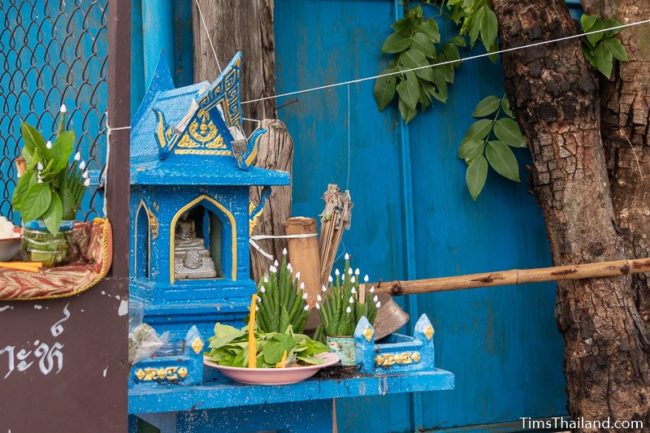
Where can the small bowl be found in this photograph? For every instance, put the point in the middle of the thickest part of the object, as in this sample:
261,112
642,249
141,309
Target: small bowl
9,247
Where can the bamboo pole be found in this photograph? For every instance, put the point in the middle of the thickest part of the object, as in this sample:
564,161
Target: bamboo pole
515,276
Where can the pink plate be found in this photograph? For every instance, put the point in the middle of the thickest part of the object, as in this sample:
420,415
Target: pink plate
275,376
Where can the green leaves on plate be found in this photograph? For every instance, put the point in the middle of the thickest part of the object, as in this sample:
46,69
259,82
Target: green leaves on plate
229,346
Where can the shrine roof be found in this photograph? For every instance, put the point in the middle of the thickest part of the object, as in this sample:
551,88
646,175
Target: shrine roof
185,136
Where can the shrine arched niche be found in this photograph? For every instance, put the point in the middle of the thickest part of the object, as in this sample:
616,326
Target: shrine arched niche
142,242
203,241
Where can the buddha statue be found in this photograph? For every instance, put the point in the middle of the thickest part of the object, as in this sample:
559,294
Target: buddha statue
191,259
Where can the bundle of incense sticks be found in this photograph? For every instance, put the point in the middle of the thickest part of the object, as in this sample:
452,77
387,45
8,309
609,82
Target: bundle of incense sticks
335,218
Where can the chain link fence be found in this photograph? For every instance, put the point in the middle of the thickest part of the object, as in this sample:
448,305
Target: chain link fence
52,53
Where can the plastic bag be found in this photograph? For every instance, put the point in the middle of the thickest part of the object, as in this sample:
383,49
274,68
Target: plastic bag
144,342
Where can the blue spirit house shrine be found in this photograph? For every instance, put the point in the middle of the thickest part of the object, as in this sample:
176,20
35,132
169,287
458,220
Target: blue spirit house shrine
191,168
190,212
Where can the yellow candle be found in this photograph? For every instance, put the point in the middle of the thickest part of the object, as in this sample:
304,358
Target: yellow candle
283,361
252,347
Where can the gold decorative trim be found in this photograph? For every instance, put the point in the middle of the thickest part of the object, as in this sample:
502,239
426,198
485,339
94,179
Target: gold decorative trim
202,152
168,374
233,228
404,358
197,345
428,332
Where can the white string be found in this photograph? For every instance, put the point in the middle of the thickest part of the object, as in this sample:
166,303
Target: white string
205,27
296,236
260,250
255,245
347,182
109,130
448,62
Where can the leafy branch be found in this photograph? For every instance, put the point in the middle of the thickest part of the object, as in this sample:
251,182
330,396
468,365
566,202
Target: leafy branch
601,49
488,142
415,43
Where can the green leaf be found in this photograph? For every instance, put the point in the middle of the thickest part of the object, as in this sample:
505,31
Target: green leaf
487,106
594,38
489,29
447,72
604,60
505,107
423,43
430,28
403,26
33,139
427,74
507,130
224,334
385,89
395,43
476,26
24,182
54,214
407,112
413,58
617,49
475,176
38,196
609,23
284,321
459,41
276,346
61,151
451,53
502,160
409,90
479,129
470,149
440,92
587,22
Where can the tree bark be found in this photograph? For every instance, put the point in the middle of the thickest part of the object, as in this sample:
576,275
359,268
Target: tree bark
248,27
625,104
555,97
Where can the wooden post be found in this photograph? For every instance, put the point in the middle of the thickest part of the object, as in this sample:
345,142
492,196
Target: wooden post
247,27
303,253
275,152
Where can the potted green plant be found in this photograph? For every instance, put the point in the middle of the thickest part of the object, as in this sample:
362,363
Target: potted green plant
341,304
51,185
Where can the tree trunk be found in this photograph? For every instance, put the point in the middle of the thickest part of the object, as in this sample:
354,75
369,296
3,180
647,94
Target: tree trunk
555,97
625,105
248,27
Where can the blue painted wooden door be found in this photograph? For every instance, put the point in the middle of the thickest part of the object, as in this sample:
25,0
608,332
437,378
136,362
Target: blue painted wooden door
413,218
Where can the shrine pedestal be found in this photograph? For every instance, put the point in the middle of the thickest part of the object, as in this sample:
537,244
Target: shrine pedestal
222,405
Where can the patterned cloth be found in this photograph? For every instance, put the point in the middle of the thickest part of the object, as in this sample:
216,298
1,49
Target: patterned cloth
92,247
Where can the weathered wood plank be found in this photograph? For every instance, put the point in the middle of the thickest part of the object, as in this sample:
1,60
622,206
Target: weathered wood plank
276,153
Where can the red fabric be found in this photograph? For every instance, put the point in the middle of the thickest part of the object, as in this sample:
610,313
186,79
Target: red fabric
94,242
